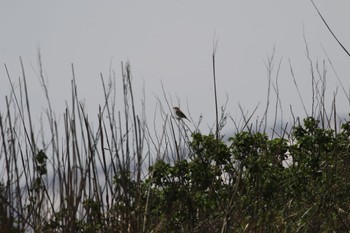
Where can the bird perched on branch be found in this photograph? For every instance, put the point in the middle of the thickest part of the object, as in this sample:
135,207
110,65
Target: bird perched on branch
179,113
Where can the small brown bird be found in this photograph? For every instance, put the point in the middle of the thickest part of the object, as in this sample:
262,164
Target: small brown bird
179,113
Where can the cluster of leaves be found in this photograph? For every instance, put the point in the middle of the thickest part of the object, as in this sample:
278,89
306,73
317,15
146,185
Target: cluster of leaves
253,183
190,189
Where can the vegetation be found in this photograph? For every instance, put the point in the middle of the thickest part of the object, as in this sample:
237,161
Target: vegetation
243,186
121,179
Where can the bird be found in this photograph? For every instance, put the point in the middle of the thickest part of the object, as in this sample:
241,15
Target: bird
179,113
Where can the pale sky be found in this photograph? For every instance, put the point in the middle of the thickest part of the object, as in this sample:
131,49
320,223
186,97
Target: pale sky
171,42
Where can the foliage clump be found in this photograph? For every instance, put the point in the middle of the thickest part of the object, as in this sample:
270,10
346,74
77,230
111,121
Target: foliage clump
254,184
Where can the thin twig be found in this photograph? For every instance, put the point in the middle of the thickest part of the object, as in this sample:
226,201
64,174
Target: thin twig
329,29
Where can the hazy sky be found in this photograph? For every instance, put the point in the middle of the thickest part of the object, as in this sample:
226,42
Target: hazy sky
171,42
